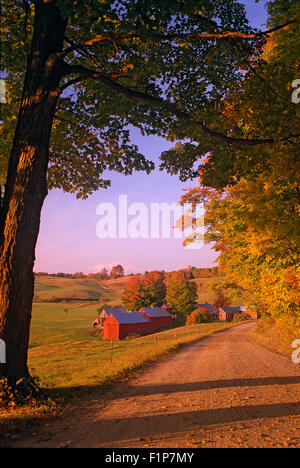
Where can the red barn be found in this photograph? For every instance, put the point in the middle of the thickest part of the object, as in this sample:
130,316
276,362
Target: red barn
99,322
119,324
158,316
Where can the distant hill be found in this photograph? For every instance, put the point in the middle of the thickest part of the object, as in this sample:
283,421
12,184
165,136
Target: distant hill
205,294
53,289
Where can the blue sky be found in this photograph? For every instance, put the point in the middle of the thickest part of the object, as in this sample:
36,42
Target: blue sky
68,240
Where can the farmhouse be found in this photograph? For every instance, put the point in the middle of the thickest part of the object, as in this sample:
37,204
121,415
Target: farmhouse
99,322
119,324
227,313
159,317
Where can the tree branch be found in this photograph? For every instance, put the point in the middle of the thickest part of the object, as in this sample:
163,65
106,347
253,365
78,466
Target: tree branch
133,94
170,37
85,74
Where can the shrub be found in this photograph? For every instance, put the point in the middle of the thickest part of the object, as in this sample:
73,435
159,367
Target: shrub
199,316
242,317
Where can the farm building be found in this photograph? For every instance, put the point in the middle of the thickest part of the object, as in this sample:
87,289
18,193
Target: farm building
227,313
99,322
159,317
119,324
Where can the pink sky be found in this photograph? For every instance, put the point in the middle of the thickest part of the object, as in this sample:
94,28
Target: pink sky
68,240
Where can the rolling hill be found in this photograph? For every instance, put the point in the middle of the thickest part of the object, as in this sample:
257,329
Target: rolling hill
53,289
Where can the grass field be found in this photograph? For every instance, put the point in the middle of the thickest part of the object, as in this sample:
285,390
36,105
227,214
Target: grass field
53,289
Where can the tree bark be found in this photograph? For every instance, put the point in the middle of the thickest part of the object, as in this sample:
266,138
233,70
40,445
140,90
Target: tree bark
26,187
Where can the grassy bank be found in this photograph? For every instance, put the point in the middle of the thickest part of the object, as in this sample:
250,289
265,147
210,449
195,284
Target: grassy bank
69,360
269,335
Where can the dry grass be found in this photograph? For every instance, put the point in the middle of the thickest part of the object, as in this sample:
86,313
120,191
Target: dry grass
269,335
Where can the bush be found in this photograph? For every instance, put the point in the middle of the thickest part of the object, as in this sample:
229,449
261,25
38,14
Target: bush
199,316
242,317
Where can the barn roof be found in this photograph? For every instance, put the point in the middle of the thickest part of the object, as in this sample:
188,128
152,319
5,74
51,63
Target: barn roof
231,310
208,307
155,312
113,309
132,317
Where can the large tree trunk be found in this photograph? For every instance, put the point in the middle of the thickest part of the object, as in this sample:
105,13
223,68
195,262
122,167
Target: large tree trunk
26,187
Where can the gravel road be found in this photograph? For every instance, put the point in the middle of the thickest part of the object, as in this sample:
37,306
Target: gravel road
223,391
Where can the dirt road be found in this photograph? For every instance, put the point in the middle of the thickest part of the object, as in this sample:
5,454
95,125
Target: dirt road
223,391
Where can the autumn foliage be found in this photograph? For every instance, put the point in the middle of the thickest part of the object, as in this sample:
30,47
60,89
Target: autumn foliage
145,291
181,294
199,316
221,300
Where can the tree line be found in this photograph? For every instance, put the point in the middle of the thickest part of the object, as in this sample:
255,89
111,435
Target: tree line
118,271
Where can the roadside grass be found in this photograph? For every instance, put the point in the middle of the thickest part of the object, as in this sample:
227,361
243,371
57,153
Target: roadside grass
268,335
69,360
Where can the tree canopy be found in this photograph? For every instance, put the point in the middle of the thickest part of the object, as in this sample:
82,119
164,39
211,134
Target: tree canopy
162,67
251,195
145,291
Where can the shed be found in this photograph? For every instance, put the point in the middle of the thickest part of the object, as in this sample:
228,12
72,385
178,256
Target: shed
119,324
99,322
160,317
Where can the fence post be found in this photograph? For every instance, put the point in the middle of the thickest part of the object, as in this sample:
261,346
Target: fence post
112,350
